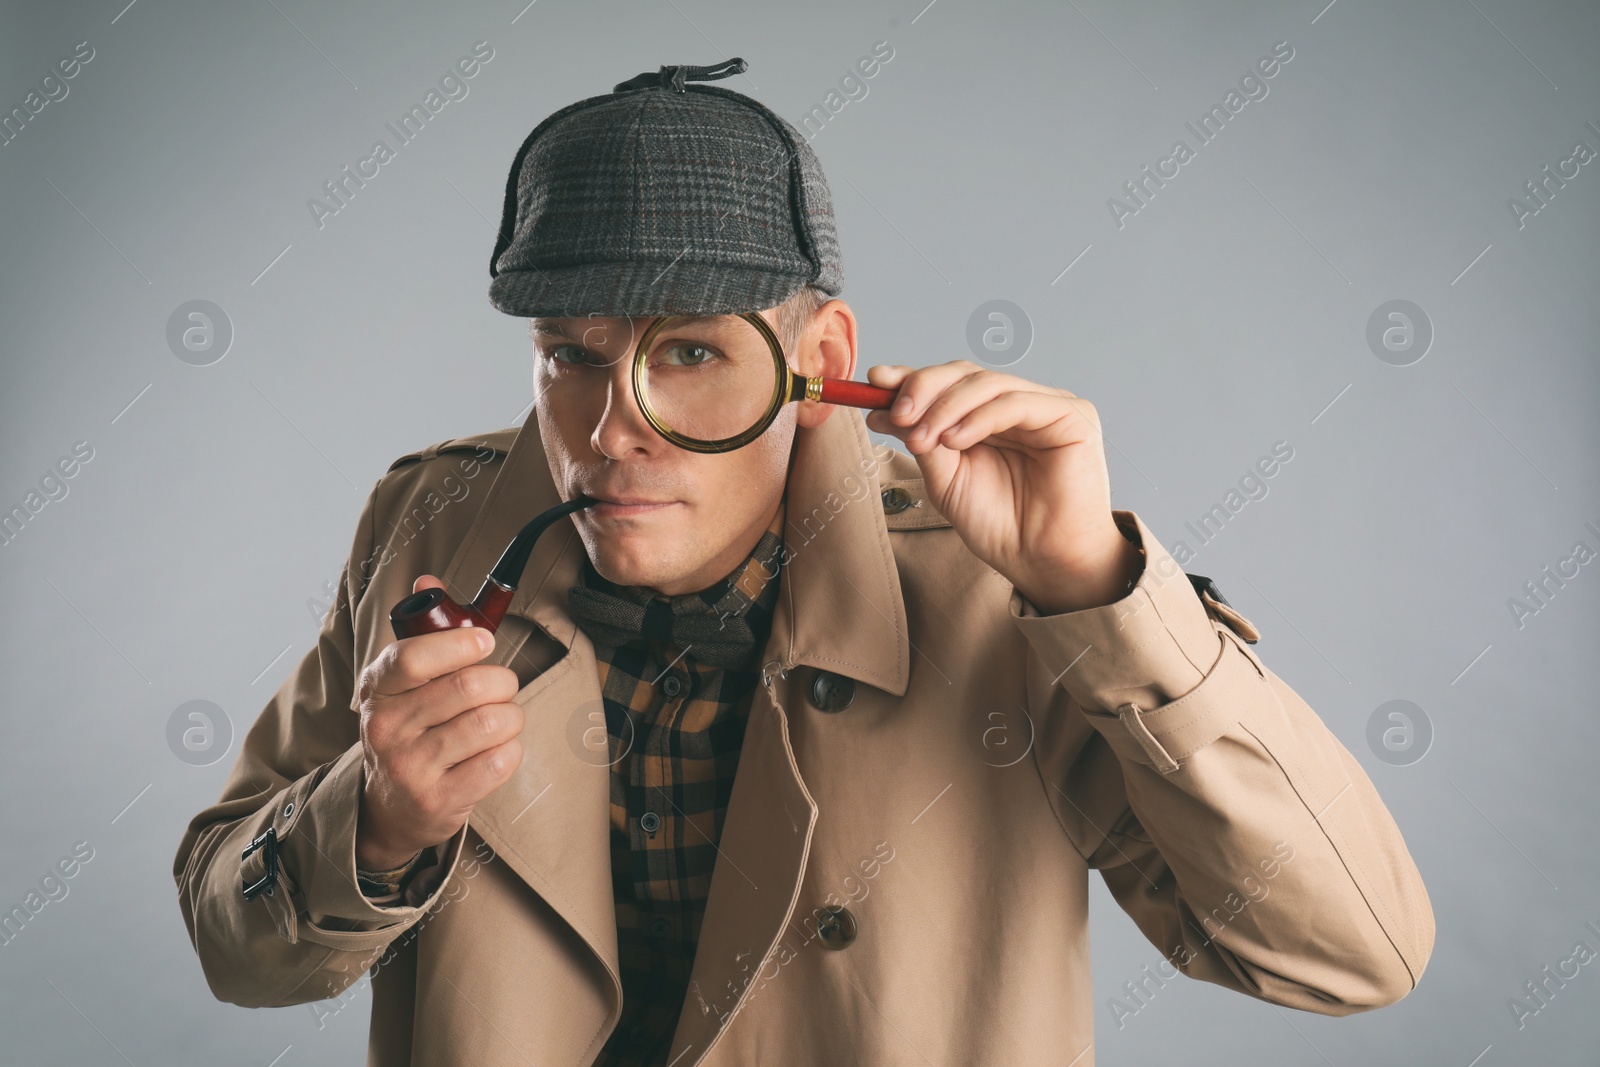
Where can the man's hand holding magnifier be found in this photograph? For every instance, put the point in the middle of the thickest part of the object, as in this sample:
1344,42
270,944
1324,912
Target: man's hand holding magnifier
1019,469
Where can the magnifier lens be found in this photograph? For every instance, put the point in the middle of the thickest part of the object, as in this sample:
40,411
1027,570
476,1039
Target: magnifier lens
708,378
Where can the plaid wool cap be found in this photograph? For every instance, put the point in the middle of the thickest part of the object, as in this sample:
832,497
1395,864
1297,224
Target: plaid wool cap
663,198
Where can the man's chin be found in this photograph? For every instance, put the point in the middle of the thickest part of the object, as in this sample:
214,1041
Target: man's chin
626,558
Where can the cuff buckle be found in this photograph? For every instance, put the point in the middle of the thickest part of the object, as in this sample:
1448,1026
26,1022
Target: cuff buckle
267,844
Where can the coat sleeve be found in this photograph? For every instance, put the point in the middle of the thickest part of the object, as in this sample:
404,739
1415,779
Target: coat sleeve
1244,840
299,774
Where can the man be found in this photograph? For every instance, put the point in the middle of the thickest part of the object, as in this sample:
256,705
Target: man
799,753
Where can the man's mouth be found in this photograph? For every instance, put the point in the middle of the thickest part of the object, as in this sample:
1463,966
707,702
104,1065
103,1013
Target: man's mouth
622,506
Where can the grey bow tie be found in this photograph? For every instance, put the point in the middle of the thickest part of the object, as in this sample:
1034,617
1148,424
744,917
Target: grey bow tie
719,638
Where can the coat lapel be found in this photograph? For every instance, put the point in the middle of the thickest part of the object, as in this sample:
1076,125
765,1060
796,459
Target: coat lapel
840,609
551,821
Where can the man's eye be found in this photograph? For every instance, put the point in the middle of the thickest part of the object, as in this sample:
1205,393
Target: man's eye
560,352
689,354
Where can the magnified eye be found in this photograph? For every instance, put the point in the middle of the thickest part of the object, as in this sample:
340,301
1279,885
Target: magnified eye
689,354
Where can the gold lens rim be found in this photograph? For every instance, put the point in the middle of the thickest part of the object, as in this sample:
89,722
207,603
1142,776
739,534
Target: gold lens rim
781,386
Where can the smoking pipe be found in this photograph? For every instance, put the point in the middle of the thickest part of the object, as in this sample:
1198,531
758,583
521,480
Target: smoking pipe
432,610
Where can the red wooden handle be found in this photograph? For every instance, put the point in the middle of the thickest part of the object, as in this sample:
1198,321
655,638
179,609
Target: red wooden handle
856,394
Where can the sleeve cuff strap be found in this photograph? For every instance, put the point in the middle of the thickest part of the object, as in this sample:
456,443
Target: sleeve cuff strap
1164,737
1149,648
317,874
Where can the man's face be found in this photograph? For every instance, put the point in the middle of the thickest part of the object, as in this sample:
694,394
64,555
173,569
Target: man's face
700,515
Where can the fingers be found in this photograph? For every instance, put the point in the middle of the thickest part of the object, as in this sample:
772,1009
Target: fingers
412,662
921,386
917,389
447,698
931,415
936,405
428,707
482,774
1022,420
475,730
887,375
449,718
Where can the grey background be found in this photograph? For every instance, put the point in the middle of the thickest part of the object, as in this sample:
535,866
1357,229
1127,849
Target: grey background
188,558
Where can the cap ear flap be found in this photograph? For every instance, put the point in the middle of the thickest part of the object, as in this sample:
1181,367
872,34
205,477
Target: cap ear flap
508,213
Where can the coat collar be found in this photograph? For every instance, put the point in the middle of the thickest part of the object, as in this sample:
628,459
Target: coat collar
841,608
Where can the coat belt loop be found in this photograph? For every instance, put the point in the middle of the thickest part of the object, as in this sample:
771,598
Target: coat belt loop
1163,762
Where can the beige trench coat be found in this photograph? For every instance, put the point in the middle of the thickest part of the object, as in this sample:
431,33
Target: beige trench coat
987,760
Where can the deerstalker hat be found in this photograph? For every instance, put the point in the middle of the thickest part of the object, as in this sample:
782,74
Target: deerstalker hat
663,197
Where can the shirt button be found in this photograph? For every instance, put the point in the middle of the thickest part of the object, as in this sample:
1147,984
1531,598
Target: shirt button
836,926
671,686
649,822
660,927
831,692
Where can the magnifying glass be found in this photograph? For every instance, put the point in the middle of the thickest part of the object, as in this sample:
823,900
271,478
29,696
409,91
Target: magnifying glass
714,383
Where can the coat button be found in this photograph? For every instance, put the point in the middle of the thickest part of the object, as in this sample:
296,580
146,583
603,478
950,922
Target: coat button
896,499
649,822
671,685
836,926
660,926
831,692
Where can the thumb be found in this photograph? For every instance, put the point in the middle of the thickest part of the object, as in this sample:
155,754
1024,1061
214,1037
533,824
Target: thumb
887,375
426,581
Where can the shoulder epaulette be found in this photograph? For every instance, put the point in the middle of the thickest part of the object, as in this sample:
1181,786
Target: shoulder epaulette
499,441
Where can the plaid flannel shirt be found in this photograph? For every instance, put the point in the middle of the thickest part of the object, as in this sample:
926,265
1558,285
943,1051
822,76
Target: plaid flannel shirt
675,728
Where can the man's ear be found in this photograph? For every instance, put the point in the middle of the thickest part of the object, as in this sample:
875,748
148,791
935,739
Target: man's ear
827,346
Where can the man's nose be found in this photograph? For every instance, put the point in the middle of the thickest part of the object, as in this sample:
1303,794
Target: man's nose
622,428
